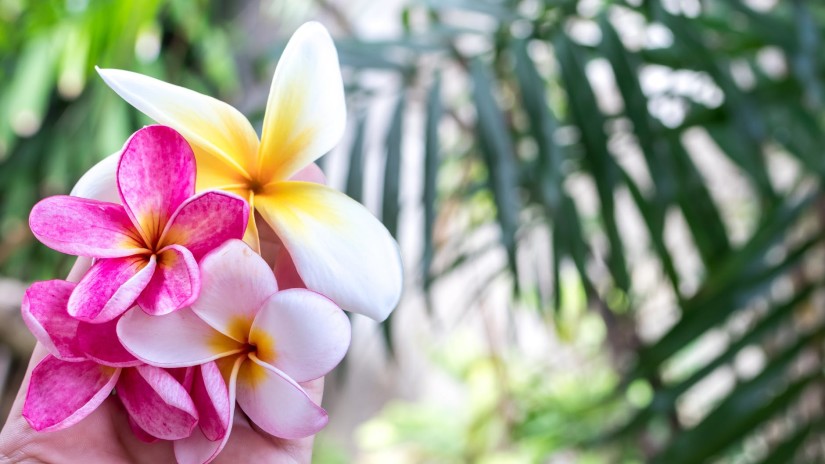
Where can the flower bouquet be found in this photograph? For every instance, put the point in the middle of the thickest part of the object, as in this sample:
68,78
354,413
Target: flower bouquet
218,266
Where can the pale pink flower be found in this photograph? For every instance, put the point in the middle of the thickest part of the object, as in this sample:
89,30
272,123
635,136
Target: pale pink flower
266,342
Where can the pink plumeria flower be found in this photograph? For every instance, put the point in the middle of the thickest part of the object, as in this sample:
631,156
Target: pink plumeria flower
147,248
338,248
87,362
267,341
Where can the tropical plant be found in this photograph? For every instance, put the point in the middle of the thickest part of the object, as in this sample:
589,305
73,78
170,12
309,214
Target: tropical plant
528,138
708,133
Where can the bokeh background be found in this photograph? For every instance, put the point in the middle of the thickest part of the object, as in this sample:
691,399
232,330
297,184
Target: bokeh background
611,212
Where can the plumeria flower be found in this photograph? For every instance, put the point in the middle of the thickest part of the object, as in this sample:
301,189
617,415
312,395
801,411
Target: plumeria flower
338,248
265,340
86,362
147,248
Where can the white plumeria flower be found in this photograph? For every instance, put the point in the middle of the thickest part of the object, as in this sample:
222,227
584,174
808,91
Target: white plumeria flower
338,248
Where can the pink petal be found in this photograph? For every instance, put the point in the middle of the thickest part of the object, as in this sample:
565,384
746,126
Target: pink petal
141,434
211,397
81,227
277,404
285,272
175,283
205,221
44,312
311,173
157,402
62,393
110,287
235,283
100,343
179,339
155,175
184,375
197,449
302,333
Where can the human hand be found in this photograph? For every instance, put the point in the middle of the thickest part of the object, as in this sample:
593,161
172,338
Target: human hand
105,435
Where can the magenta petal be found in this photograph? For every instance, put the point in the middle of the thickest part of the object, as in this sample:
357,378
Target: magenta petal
141,434
197,449
110,287
62,393
205,221
155,175
100,343
184,375
157,402
211,397
82,227
175,283
44,312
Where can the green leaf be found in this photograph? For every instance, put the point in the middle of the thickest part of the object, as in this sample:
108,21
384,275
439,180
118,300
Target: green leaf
392,169
355,169
496,146
598,159
432,151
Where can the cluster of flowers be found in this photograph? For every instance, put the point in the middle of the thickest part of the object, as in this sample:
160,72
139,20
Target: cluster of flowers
179,314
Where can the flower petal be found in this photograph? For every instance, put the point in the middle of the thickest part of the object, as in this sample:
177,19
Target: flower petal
155,175
110,287
157,402
100,182
219,133
100,343
82,227
306,112
44,312
302,333
175,283
235,282
277,404
184,375
197,449
205,221
339,249
285,272
141,434
62,393
311,173
211,397
179,339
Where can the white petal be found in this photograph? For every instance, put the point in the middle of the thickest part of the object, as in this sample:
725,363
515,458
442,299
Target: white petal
100,182
306,112
214,128
178,339
235,282
301,333
340,250
277,404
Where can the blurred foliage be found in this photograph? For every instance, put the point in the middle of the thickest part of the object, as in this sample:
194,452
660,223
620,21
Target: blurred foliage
562,123
54,125
558,124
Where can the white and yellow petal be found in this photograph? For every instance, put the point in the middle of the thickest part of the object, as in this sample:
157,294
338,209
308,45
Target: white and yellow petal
306,112
339,248
219,133
235,283
178,339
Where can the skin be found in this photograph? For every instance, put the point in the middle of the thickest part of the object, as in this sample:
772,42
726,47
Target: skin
105,436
